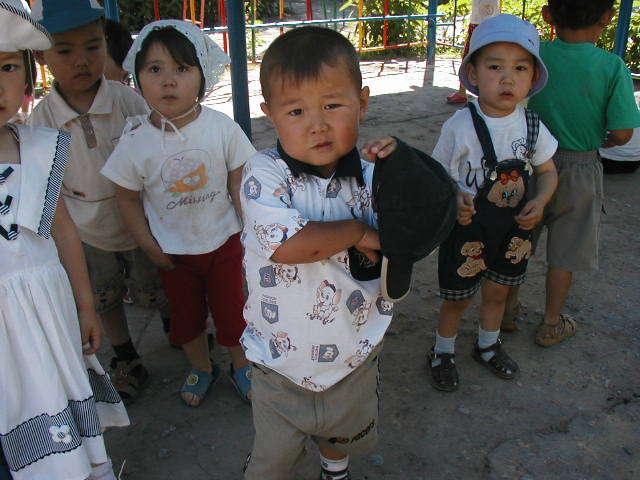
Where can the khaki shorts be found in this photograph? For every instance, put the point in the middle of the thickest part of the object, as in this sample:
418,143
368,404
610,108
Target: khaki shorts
343,418
111,273
572,217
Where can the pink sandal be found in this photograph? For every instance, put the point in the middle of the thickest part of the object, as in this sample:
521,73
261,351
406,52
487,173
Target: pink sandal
457,98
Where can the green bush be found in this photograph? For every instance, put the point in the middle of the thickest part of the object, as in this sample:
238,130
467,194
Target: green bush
406,31
399,31
135,14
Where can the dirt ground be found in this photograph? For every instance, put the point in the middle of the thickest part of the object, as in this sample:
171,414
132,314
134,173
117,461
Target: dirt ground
573,412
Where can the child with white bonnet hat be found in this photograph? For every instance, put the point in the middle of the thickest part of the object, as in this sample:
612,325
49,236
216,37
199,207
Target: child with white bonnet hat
178,173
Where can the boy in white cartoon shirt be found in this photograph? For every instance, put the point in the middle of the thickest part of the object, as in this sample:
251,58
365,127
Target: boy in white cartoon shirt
313,335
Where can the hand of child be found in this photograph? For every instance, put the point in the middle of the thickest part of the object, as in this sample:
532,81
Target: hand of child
160,259
466,208
379,147
369,244
530,215
90,331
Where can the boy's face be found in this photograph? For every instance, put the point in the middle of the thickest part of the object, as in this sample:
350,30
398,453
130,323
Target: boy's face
318,119
77,58
12,84
504,73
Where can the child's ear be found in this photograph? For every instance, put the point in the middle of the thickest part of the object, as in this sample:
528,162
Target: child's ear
472,74
265,109
536,74
606,18
364,101
546,15
39,56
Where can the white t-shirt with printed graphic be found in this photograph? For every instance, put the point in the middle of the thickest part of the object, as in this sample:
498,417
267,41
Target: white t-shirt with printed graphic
483,9
312,322
183,179
459,149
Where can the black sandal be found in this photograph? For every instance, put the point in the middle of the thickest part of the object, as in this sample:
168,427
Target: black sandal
501,364
443,377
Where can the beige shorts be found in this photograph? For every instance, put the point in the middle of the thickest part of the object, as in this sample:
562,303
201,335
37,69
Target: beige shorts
343,418
572,217
111,273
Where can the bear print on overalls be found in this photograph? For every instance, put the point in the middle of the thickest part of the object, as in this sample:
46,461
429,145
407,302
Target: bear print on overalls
494,235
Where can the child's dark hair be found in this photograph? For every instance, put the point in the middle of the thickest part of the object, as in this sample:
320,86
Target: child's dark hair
301,53
577,14
179,47
119,40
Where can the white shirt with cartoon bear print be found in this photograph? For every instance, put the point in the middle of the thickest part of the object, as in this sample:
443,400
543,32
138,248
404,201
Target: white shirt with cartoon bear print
313,322
183,179
459,150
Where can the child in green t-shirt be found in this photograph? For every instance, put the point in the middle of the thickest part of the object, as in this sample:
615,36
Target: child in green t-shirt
588,103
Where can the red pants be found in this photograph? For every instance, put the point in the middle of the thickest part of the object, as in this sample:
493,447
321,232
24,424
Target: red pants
212,279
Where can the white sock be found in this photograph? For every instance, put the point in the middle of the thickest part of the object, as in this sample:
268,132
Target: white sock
338,469
486,339
444,345
104,471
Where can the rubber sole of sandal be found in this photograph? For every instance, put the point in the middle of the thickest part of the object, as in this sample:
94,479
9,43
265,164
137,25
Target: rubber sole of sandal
498,373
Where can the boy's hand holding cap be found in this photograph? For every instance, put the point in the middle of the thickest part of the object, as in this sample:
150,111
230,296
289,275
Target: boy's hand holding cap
415,200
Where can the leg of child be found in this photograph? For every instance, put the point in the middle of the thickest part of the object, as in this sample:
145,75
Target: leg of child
558,286
494,297
115,325
103,471
335,465
512,310
488,350
556,326
225,293
444,375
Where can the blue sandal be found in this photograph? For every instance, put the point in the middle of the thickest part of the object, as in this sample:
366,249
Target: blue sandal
241,380
198,383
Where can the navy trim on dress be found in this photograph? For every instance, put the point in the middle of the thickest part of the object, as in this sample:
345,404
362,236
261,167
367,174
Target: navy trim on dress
46,435
54,184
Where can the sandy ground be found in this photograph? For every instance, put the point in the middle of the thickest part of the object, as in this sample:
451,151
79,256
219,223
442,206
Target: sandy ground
573,412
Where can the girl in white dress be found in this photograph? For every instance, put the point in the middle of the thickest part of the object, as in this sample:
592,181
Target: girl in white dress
56,398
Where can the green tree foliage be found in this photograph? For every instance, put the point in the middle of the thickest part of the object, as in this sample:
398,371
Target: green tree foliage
459,11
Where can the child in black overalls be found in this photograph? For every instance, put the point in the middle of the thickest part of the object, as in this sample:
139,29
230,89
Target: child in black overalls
491,149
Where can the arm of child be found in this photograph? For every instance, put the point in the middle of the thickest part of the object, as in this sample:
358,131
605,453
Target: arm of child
130,206
546,183
320,240
67,240
617,137
466,208
234,178
379,147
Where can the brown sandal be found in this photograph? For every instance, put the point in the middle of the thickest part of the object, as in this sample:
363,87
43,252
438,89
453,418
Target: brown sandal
548,335
510,318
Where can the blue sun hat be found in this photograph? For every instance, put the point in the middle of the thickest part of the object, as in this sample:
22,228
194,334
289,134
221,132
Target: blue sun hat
510,29
19,30
60,16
